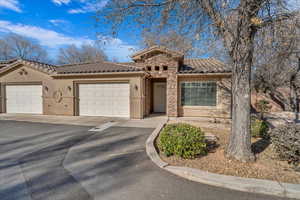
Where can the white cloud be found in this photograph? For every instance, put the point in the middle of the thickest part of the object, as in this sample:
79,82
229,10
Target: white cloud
45,37
113,47
89,7
60,2
116,48
11,5
57,22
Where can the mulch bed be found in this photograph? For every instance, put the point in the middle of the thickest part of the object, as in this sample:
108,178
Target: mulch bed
265,167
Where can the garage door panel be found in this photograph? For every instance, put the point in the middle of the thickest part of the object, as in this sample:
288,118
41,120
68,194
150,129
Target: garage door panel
24,99
111,99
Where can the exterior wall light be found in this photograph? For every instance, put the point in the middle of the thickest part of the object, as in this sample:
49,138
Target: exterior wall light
70,88
46,88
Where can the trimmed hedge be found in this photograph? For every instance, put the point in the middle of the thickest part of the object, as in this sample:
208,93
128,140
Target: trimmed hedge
182,140
286,141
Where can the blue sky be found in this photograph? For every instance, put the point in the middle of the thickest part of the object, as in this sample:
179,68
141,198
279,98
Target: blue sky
56,23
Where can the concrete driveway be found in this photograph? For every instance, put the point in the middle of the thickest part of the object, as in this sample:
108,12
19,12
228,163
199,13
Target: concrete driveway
61,162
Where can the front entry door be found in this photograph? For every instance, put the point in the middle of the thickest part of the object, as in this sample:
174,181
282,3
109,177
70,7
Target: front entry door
160,94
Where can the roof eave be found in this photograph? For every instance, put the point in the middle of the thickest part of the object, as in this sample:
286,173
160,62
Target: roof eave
205,74
96,74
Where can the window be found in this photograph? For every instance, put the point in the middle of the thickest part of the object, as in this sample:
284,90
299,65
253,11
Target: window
165,68
156,68
198,94
148,68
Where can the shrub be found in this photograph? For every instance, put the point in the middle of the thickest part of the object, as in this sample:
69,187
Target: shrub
263,107
183,140
259,128
286,141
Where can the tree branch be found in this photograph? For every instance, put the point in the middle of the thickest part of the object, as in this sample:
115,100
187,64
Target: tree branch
135,5
271,20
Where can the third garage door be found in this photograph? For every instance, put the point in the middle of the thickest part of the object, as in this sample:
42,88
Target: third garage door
105,99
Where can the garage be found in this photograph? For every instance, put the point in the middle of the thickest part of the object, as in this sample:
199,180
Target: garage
24,99
104,99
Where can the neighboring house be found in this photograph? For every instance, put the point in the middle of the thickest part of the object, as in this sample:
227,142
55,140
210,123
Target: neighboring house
158,81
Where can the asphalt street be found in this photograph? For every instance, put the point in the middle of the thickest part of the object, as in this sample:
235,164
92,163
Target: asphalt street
40,161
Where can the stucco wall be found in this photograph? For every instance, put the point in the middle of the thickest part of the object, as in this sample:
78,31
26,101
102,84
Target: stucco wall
26,75
59,94
223,107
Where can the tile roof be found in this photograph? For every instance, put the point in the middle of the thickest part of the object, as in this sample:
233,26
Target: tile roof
99,67
138,55
209,65
41,66
47,68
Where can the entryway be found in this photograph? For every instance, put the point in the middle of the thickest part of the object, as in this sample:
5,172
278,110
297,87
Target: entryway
159,97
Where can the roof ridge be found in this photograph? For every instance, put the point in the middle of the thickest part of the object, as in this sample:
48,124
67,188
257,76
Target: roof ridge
36,62
9,60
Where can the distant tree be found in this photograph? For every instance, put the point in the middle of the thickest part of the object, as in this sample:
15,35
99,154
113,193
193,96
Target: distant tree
17,46
235,23
85,53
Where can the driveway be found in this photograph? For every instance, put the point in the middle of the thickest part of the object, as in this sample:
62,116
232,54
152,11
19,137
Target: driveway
61,162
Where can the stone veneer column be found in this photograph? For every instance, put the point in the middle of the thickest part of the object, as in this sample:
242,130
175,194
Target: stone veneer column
172,94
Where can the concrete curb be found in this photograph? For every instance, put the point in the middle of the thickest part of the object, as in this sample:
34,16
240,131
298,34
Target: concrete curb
230,182
150,148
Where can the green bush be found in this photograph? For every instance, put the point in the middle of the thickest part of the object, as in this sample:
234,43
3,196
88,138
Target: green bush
259,128
183,140
263,106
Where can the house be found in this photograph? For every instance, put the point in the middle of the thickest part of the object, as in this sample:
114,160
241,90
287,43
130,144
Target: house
157,81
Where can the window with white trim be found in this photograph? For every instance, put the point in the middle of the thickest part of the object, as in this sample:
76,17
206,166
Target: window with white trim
200,93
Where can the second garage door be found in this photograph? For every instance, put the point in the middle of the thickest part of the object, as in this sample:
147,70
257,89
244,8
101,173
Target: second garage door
24,99
105,99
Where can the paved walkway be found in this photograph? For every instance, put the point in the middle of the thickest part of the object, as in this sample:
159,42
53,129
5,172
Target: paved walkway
62,162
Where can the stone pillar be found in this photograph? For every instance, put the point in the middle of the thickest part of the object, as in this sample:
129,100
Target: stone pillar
172,94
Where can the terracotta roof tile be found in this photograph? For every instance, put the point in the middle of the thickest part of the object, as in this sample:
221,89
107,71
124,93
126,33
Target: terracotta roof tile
47,68
209,65
99,67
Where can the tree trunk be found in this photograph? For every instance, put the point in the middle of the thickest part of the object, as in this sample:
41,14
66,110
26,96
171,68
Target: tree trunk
239,146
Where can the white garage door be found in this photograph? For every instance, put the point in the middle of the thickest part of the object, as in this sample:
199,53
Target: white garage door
106,99
24,99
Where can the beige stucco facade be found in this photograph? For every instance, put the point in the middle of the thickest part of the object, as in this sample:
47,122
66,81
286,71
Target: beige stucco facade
60,92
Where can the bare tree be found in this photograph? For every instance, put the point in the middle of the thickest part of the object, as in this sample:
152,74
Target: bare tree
85,53
16,46
171,40
277,63
234,22
188,45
